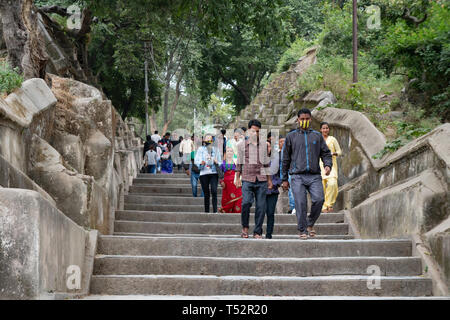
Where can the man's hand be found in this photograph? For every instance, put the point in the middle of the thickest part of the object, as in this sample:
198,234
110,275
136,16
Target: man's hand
269,184
285,185
327,171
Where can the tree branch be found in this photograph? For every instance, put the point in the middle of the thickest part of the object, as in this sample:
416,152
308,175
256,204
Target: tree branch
407,15
55,9
247,99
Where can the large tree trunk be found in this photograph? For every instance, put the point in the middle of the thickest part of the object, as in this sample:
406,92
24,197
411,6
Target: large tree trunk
153,125
174,104
26,50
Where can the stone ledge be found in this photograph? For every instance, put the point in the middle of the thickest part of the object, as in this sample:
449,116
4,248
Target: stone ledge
368,136
21,106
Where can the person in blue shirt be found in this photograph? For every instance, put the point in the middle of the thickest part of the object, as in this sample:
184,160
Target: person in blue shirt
207,159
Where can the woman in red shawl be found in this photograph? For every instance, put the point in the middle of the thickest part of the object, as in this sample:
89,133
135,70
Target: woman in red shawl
231,196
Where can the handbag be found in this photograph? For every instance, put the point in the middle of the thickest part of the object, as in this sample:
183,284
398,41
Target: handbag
219,171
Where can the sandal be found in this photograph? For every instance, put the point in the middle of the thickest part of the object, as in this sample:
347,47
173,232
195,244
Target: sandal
257,236
330,209
244,234
303,236
312,233
325,210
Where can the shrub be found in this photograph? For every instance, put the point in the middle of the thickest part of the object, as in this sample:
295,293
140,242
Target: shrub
10,79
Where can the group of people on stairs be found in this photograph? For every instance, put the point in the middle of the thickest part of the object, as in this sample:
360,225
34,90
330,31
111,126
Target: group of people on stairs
250,169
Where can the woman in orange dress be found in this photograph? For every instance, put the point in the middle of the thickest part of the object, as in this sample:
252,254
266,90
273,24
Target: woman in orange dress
231,196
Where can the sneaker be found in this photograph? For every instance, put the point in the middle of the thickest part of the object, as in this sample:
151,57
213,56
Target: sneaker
293,211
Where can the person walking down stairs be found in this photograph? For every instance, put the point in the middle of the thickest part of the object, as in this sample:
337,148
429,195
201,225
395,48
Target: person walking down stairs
255,178
273,193
207,159
302,150
330,182
151,160
231,195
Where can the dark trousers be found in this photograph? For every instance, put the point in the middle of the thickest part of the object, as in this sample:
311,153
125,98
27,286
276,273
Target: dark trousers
151,168
207,181
301,183
271,203
258,191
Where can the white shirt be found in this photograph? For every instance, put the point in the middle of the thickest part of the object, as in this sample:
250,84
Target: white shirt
186,146
156,137
151,157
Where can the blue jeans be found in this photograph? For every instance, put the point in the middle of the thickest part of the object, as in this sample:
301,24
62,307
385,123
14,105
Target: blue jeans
151,168
194,181
291,196
257,190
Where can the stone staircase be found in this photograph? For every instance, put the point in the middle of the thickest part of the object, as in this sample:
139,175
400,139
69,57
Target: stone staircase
165,245
273,105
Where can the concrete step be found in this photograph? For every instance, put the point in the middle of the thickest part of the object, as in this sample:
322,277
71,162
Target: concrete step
172,207
236,248
289,267
158,199
218,228
223,236
246,285
184,189
161,181
160,175
199,217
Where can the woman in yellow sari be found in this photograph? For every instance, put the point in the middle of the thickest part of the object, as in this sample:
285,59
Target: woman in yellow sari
330,182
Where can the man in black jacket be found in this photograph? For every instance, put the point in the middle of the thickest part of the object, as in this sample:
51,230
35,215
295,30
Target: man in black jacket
302,150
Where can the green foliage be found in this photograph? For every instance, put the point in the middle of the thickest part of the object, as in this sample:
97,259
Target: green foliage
293,53
422,51
406,132
10,79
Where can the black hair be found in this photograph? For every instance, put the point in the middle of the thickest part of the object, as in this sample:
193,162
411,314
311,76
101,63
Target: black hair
223,131
281,136
324,123
244,129
149,138
303,111
254,122
156,131
167,134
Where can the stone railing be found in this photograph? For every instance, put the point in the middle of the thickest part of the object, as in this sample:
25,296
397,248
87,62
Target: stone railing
403,194
70,159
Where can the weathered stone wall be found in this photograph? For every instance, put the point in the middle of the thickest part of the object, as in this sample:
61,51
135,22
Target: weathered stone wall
400,195
37,245
70,145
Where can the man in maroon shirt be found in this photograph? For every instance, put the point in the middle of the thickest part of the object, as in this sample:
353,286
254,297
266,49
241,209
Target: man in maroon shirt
253,166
